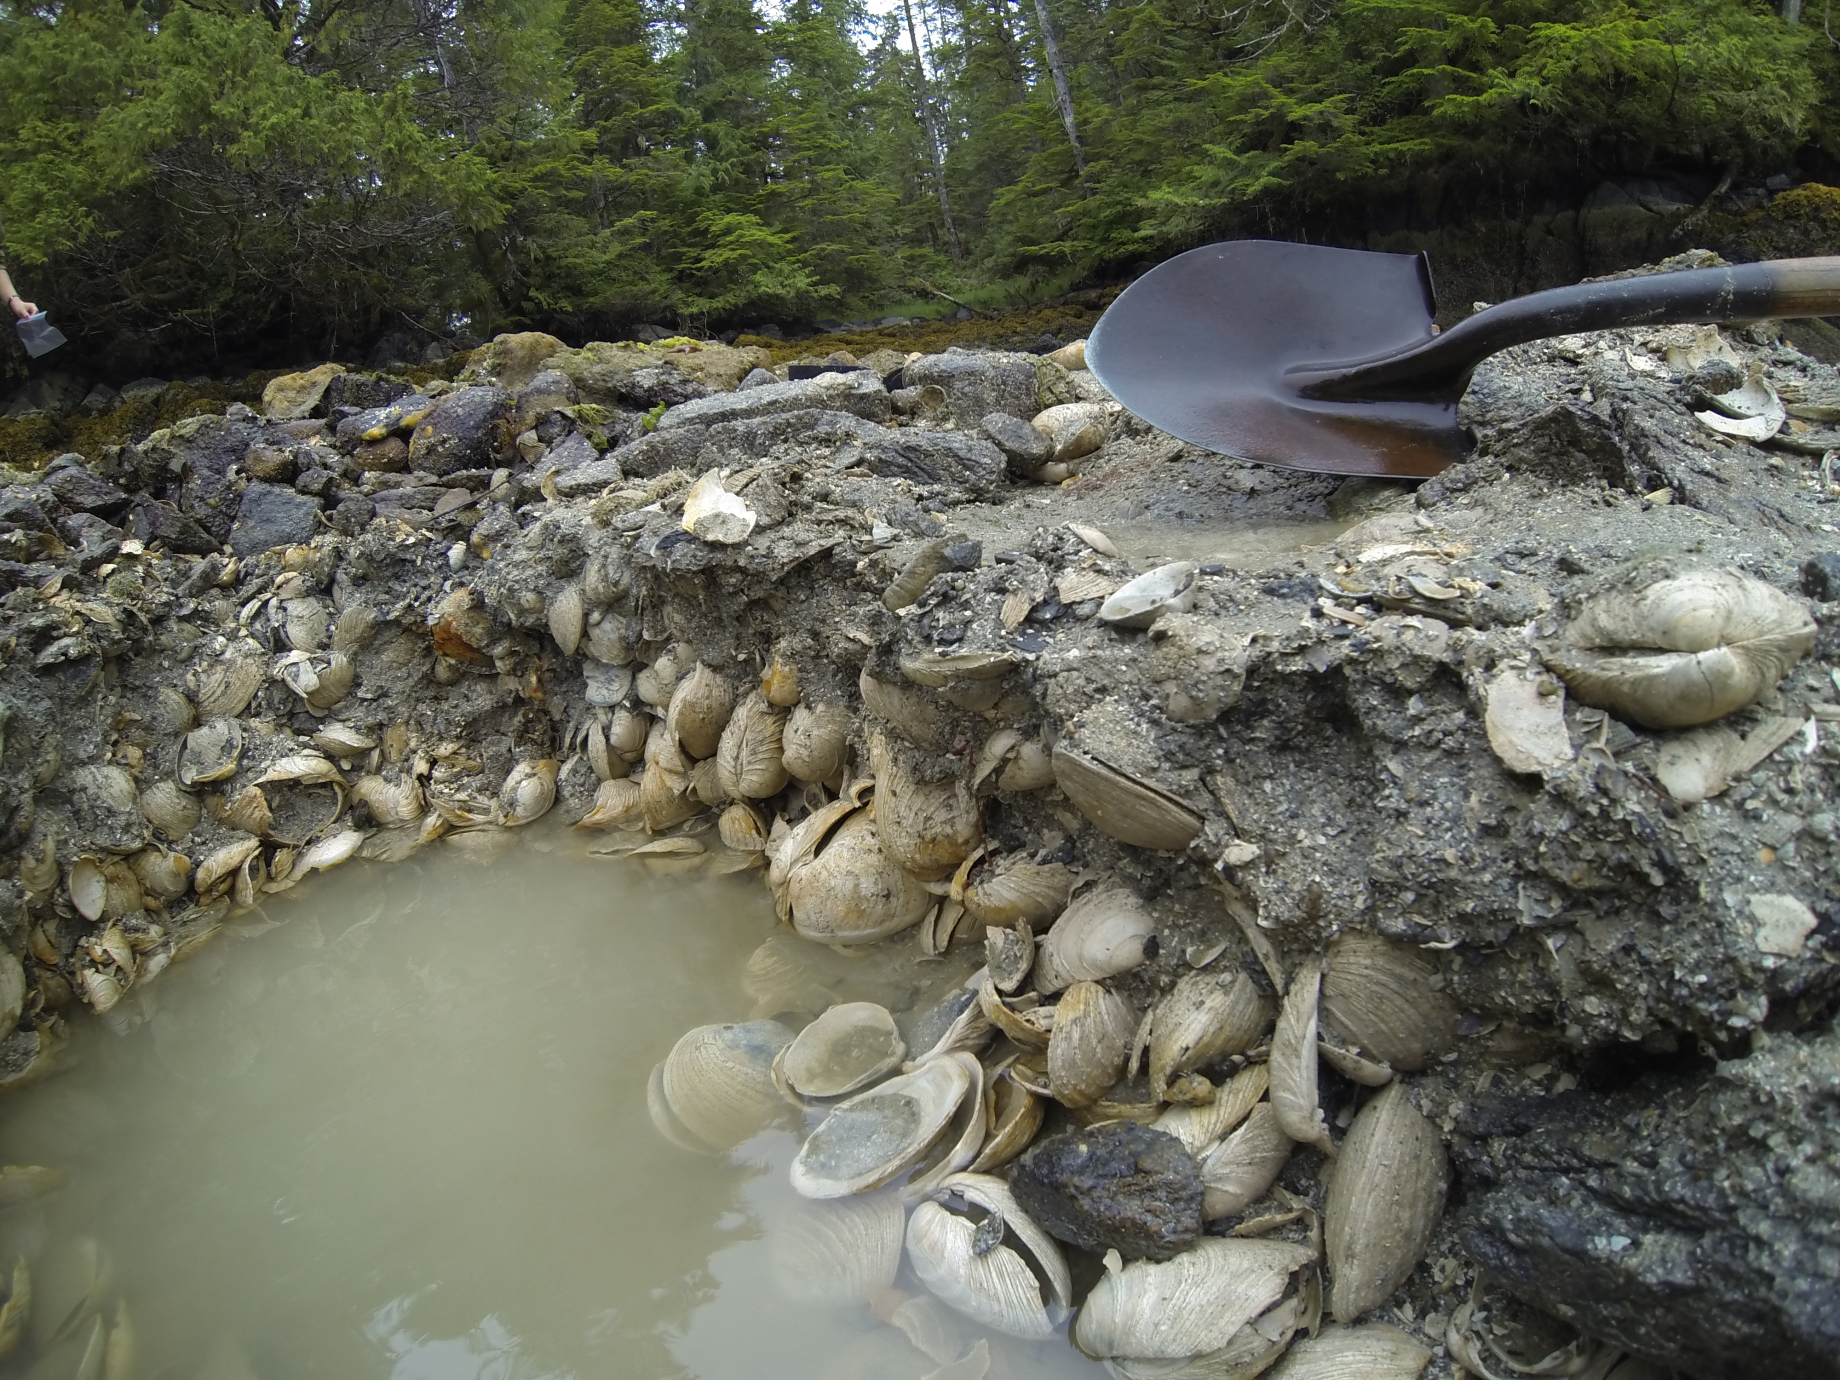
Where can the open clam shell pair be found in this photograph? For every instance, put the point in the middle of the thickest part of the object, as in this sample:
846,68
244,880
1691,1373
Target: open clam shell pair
876,1136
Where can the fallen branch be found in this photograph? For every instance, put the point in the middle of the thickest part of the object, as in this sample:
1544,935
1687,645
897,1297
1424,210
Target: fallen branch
925,286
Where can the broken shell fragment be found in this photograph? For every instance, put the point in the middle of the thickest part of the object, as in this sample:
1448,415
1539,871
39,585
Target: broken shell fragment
1031,769
247,812
840,1252
1101,934
998,1268
718,1080
1294,1063
103,888
1206,1016
1242,1168
210,751
1383,998
1087,1049
1187,1307
1009,954
221,865
750,760
907,587
917,715
1385,1198
741,828
1670,648
780,683
814,743
666,798
1013,1114
1140,602
343,740
1373,1351
846,1048
1201,1128
877,1135
528,792
1526,723
699,711
163,875
714,514
1130,810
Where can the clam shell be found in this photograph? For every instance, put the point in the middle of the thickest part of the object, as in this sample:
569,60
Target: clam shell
1670,648
1019,1286
954,1150
99,890
706,783
173,713
12,1002
605,686
393,804
247,812
100,991
1087,1049
173,812
699,711
1373,1351
1384,999
220,865
305,622
1201,1128
343,740
605,579
1101,934
839,1253
1077,428
1189,1306
327,852
1293,1063
210,751
1014,891
1140,602
1032,769
815,742
353,628
927,827
740,828
907,587
528,792
568,619
873,1137
1009,954
750,762
305,767
712,513
1130,810
1385,1198
1206,1016
617,805
846,1048
1027,1027
224,689
72,1285
1242,1168
849,891
718,1080
916,714
627,732
610,642
780,977
665,798
1012,1116
780,683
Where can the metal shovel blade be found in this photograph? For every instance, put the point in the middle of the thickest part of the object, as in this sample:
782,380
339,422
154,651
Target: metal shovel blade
38,335
1200,345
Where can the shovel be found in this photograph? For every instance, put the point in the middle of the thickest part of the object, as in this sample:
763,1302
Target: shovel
1327,359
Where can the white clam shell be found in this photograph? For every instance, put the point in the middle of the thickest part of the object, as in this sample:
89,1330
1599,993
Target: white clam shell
1130,810
718,1080
839,1253
1188,1306
1089,1043
1099,935
1372,1351
714,514
210,752
1384,1202
1001,1289
877,1135
1140,602
814,745
1242,1168
846,1048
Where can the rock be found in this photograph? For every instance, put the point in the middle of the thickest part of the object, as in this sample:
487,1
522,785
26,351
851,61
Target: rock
756,378
468,429
1821,577
1119,1185
590,478
92,540
569,453
1696,1224
292,396
647,333
152,520
352,514
388,456
1568,443
19,508
99,399
543,395
858,392
203,450
602,372
317,482
654,454
363,391
511,361
270,464
143,390
1025,446
272,516
54,394
81,490
977,384
374,424
956,459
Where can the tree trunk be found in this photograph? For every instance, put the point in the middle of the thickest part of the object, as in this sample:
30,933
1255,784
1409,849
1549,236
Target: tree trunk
931,124
1792,11
1063,94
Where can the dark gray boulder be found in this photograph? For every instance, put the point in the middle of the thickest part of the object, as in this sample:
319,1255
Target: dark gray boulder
1026,446
81,490
860,393
271,516
374,424
152,520
977,383
468,429
1119,1185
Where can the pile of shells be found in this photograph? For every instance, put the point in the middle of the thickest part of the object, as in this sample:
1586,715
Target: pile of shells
62,1314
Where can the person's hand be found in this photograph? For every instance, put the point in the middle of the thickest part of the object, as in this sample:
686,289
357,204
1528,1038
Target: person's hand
22,308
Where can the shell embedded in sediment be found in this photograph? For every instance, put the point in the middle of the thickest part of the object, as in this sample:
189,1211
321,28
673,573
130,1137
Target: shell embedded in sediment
873,1137
1207,1016
305,621
327,852
627,732
699,711
842,887
617,805
1140,602
1101,934
353,629
1671,647
840,1252
1031,769
172,712
780,682
247,812
393,804
1293,1062
1012,891
1028,1025
815,742
706,783
528,792
305,768
750,760
927,826
343,740
666,797
846,1048
321,679
605,579
1012,1116
103,888
1385,1198
170,810
1087,1049
718,1080
741,828
1372,1351
163,874
1130,810
224,689
611,641
907,587
1242,1168
210,752
1385,999
1201,1127
221,864
917,715
1009,954
714,514
568,618
604,686
1188,1306
1018,1284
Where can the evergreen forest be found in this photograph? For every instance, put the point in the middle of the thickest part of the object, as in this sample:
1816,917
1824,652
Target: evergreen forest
228,171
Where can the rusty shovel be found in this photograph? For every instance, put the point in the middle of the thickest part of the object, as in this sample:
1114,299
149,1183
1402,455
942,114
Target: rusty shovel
1327,359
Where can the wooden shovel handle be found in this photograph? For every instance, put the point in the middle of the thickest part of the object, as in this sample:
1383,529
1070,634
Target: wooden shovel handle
1440,368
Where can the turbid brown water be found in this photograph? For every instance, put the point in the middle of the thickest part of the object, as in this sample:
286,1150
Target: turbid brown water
395,1125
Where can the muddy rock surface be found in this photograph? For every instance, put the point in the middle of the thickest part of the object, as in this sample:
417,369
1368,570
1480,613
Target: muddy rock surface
254,646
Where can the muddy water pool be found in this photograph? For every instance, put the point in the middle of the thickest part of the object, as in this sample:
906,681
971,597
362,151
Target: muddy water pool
394,1124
